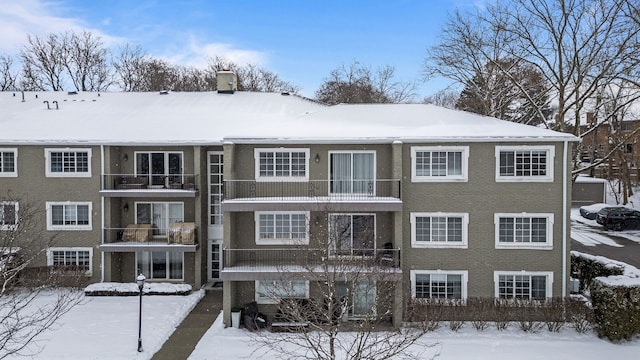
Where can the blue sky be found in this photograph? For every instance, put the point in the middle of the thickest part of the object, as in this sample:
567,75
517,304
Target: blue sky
300,40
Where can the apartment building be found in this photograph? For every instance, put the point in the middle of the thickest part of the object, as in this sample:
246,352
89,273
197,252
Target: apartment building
245,188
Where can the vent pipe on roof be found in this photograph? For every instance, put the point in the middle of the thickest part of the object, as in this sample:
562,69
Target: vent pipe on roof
46,102
227,82
56,102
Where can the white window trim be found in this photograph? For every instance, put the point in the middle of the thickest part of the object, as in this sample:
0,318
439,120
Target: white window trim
550,149
547,245
52,227
464,273
420,244
13,173
548,274
352,152
458,178
256,157
260,241
47,163
272,300
17,208
76,249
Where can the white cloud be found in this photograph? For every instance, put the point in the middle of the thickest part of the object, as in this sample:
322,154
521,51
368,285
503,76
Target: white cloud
196,53
36,17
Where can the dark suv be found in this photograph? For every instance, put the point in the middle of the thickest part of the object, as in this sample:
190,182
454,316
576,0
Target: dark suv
618,218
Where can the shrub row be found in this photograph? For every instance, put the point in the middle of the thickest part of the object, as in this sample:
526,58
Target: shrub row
530,316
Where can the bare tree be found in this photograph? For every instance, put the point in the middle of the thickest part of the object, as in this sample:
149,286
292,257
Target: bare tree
353,293
44,62
8,78
356,84
128,67
578,46
444,98
22,248
86,61
508,90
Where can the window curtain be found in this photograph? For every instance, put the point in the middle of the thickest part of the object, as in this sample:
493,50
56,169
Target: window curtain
340,173
363,173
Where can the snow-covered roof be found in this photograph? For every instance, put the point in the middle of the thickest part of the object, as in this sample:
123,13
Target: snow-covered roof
212,118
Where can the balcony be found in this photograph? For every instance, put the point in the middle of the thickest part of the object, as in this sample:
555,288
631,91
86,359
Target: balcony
180,237
251,195
131,185
260,264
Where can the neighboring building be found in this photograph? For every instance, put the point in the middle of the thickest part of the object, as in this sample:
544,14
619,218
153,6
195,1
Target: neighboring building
208,187
597,143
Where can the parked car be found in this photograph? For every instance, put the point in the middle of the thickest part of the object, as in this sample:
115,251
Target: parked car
618,218
591,211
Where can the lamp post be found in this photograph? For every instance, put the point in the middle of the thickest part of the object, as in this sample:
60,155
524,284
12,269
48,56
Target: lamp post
140,281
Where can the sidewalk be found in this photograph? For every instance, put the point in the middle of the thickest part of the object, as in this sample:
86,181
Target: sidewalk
187,335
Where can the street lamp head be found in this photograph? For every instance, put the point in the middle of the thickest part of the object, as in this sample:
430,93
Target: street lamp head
140,281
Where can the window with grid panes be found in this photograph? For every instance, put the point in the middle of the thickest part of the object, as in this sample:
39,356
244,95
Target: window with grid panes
281,228
68,162
8,166
282,163
438,229
529,287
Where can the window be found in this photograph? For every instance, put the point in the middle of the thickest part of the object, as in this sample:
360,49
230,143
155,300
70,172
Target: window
359,296
162,168
523,285
439,229
271,291
216,163
69,216
352,172
439,163
273,228
78,257
626,125
160,214
282,164
68,162
628,148
437,284
8,215
524,163
524,230
166,265
8,166
352,234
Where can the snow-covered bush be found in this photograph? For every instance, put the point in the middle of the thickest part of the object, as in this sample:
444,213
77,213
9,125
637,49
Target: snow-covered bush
616,303
586,268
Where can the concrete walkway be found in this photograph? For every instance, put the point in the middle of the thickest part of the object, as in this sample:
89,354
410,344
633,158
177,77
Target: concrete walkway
187,335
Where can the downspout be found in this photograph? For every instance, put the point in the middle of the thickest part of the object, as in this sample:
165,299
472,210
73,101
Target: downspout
565,169
102,212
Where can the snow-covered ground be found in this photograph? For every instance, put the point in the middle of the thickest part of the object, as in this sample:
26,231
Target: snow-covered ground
106,328
510,344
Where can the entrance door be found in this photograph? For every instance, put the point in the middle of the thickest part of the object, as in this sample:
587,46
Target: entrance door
352,173
214,264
